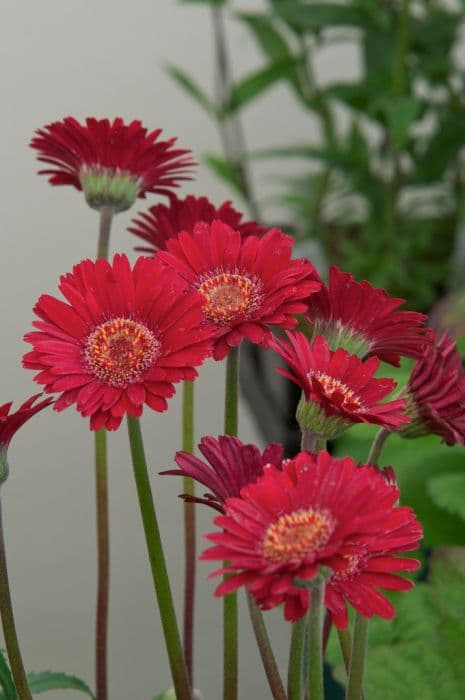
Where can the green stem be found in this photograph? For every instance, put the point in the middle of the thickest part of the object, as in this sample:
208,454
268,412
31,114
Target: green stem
345,643
230,623
102,515
106,217
357,661
189,530
315,627
295,668
103,562
375,450
8,624
157,563
266,652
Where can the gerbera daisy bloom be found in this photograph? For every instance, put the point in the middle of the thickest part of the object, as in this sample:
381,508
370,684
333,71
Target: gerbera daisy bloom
164,221
364,321
247,285
316,511
121,341
112,162
436,393
338,389
229,465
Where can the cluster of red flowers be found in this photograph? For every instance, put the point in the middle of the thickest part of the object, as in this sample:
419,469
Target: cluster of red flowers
125,335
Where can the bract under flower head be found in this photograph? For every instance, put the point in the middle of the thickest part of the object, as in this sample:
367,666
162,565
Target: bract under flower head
247,285
10,423
112,162
120,342
436,393
164,221
338,389
316,511
364,321
230,464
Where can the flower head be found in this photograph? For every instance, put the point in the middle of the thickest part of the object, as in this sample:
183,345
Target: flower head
436,393
363,320
338,389
112,162
316,511
247,285
122,339
164,221
10,423
229,465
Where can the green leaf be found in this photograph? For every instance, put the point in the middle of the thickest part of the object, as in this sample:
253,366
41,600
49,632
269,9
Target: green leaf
167,695
448,492
401,113
191,87
50,680
204,2
318,16
6,680
226,170
257,82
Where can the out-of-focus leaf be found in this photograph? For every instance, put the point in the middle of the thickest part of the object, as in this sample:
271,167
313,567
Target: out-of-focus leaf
318,16
448,492
256,83
226,171
401,113
204,2
50,680
167,695
191,87
8,690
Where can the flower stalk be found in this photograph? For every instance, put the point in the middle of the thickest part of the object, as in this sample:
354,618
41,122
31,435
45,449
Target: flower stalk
189,530
315,629
295,668
157,563
357,660
230,622
8,625
266,652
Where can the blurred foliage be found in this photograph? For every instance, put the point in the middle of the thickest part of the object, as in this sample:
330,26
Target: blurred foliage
419,656
382,185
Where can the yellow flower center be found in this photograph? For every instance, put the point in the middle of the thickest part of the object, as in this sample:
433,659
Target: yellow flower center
295,535
337,391
228,296
119,351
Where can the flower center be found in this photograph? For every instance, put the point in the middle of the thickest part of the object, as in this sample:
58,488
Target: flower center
120,350
353,563
294,535
335,390
228,296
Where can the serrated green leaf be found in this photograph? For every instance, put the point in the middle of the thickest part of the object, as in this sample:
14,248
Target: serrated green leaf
191,87
44,681
448,492
257,82
6,680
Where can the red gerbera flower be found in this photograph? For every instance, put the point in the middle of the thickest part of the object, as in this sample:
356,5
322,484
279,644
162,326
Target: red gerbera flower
339,389
436,393
364,321
162,222
11,422
113,162
246,285
230,465
122,340
317,511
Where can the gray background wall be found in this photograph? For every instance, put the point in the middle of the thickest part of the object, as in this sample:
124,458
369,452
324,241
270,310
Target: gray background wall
105,58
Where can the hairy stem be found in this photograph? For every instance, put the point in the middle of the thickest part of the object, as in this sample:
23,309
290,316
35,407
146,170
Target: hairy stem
189,530
315,627
295,668
266,651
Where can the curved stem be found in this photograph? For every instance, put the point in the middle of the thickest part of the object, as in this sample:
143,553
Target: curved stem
8,625
103,562
345,643
157,563
377,445
295,668
102,515
266,652
357,661
189,530
315,627
230,623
